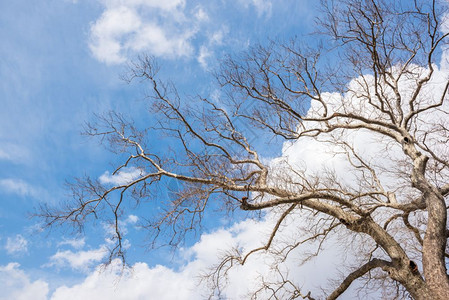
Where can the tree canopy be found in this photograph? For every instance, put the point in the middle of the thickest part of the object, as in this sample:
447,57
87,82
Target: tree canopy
363,123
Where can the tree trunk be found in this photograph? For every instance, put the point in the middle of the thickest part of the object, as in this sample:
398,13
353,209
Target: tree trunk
434,247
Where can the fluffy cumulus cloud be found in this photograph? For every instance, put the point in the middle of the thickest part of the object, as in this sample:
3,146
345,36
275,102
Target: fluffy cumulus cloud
16,284
158,281
141,280
80,260
160,28
170,29
140,283
328,154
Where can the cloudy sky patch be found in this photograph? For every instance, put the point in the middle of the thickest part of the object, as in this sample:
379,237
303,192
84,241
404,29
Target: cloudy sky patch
62,62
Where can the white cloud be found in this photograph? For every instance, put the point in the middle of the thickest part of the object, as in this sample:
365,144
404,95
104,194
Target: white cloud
262,6
206,54
159,282
445,55
80,261
132,219
154,38
19,187
128,27
13,153
115,283
166,29
203,56
124,176
75,243
142,280
201,14
219,35
16,245
167,5
84,260
107,33
315,156
16,284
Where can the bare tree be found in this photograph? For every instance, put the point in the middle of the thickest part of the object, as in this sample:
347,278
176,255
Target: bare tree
376,75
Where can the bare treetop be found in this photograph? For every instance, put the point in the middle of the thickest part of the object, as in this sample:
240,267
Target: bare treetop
363,119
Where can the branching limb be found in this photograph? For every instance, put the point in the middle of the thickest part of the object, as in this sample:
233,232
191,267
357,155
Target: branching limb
372,264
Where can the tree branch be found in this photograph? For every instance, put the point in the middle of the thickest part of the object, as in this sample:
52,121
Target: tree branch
372,264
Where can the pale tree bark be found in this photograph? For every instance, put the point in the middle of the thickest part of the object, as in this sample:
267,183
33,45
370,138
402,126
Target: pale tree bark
386,85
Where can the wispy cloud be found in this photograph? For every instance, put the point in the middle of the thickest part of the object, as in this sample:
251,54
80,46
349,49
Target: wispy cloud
19,187
75,243
206,51
124,176
13,153
263,7
84,260
203,57
16,245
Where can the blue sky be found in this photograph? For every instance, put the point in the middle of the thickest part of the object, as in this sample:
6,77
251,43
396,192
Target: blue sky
60,63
